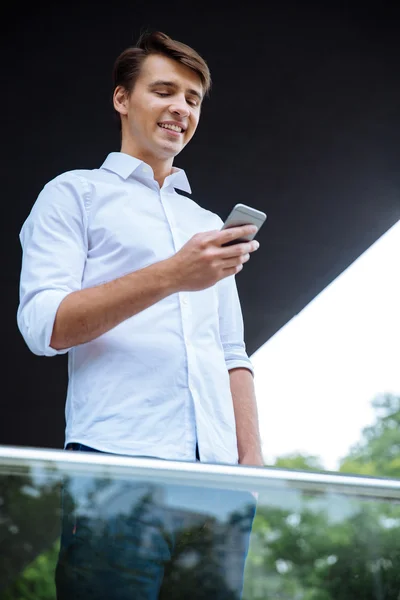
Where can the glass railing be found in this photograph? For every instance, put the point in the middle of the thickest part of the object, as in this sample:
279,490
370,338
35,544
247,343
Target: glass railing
92,526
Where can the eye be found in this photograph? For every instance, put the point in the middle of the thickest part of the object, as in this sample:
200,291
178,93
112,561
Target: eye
162,94
193,103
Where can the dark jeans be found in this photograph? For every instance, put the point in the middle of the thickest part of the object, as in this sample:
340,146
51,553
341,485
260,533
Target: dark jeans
123,539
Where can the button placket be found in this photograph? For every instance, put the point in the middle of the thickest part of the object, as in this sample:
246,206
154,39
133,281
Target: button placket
184,302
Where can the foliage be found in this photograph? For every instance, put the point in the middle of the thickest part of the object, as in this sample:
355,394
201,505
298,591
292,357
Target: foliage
36,581
29,529
299,462
378,452
307,555
333,548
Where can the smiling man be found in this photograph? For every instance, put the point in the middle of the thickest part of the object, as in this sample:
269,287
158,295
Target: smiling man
151,130
135,281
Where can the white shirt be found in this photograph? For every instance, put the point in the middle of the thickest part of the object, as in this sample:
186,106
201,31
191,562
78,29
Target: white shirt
159,381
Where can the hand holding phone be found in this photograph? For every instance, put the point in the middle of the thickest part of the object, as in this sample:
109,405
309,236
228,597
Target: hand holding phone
244,215
203,260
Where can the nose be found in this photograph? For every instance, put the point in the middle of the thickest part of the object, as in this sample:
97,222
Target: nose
179,107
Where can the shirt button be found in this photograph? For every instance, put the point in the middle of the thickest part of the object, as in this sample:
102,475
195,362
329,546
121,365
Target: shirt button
184,301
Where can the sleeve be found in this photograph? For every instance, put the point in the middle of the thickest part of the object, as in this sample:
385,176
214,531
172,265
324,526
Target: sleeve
54,250
231,325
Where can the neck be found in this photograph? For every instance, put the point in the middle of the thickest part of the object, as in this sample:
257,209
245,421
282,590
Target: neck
161,167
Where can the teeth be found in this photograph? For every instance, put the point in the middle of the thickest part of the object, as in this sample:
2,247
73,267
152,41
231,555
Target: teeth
173,127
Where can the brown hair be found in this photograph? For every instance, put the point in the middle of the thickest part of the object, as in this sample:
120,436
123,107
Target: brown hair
129,63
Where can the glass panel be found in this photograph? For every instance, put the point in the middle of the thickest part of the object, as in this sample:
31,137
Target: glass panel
140,528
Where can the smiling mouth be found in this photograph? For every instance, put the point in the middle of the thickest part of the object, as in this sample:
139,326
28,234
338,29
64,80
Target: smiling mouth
173,128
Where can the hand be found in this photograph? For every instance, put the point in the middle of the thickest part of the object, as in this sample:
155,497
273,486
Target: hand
205,259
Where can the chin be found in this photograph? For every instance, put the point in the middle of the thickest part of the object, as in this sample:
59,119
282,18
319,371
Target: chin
170,151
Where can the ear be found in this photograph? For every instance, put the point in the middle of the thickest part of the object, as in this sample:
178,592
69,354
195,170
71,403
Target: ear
120,100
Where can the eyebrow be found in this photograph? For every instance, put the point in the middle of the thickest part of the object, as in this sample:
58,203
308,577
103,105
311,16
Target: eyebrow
171,84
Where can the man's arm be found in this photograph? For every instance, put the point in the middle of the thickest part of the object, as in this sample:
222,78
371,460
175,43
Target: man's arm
245,408
86,314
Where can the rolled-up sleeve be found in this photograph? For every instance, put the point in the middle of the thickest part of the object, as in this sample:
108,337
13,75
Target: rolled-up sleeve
54,250
231,325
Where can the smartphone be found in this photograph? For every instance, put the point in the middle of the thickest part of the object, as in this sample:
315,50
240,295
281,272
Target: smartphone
244,215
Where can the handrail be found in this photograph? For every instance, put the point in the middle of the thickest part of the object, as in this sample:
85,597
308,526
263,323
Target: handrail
197,474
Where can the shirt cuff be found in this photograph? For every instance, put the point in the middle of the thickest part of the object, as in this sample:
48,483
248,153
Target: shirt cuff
240,363
37,324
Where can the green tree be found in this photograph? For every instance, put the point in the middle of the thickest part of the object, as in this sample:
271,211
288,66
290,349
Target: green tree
299,462
29,526
309,555
332,547
378,451
36,582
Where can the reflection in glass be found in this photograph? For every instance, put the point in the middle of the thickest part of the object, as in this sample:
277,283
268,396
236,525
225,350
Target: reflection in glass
122,539
324,547
305,545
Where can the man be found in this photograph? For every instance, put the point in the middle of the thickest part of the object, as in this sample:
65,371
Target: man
136,283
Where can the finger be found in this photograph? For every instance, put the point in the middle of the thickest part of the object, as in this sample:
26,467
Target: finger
235,262
239,249
233,233
232,270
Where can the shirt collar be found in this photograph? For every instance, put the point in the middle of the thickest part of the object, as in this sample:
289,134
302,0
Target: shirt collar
125,165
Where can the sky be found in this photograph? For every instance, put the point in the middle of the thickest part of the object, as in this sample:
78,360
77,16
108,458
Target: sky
316,377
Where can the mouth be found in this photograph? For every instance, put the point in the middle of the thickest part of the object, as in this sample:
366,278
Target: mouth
172,128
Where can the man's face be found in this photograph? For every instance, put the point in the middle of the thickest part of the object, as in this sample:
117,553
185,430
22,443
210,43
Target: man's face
163,109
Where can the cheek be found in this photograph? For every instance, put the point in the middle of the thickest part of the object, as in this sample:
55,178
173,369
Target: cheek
193,127
148,114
